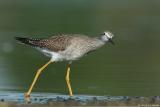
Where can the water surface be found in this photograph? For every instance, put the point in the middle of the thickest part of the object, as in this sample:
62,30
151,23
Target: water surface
130,68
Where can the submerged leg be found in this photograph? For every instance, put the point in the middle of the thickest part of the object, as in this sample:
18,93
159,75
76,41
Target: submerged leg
68,80
36,77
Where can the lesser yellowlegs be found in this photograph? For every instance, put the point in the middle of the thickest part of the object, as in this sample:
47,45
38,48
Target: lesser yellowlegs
67,47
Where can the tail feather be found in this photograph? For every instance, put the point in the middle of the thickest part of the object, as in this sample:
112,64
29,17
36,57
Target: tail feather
28,41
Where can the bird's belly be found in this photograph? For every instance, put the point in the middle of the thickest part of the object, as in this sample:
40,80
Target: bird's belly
55,56
74,54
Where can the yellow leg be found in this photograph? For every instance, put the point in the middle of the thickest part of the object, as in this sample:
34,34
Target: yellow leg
36,77
68,81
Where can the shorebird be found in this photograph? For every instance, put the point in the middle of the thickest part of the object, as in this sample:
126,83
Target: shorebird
65,47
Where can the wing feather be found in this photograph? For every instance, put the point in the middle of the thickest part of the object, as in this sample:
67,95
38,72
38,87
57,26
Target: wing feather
56,43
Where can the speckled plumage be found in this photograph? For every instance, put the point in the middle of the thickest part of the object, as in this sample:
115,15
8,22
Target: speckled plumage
66,47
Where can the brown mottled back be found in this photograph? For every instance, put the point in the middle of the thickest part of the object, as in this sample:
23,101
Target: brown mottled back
55,43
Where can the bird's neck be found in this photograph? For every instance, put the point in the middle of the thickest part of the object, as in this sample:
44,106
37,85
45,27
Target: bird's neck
101,39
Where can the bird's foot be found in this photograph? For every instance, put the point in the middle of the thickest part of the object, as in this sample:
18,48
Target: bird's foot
27,98
71,95
26,95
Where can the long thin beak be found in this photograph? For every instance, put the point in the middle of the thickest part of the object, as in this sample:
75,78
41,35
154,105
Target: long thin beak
111,41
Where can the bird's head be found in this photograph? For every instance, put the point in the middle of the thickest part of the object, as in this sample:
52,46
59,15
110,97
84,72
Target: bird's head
107,36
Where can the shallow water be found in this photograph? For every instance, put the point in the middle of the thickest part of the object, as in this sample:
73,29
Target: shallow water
45,98
14,99
130,68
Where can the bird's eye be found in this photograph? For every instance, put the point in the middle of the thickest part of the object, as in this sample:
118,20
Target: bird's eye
102,34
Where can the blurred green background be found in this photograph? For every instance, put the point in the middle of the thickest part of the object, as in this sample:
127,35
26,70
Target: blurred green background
132,67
